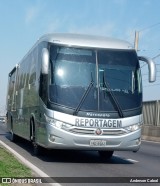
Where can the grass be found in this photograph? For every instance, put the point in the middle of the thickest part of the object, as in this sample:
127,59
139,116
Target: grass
11,167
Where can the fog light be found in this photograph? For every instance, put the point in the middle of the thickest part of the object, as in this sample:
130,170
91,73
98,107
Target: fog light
138,141
52,137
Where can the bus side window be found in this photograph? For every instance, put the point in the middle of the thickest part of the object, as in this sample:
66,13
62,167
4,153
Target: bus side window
11,89
32,77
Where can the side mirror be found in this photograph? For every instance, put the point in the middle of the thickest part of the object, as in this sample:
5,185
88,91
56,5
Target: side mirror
45,60
151,68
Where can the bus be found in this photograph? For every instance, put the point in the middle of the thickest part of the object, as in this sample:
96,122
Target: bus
79,92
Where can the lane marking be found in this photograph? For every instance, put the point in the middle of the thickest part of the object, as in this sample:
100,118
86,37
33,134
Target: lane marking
28,164
151,141
135,161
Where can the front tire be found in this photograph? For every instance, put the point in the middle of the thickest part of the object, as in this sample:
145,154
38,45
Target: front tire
36,147
13,136
106,154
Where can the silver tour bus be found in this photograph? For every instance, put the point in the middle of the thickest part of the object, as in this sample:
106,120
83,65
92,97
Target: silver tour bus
78,92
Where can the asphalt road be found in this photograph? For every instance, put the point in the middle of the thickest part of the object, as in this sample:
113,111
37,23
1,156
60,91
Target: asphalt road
58,163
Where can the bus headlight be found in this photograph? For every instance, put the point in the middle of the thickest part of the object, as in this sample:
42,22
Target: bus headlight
58,123
134,127
54,122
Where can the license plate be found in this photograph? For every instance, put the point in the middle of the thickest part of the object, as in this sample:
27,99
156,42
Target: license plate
97,143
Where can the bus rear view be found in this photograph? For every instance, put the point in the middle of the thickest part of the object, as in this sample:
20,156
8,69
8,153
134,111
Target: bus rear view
90,94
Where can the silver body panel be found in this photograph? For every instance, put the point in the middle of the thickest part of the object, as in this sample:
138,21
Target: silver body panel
78,137
81,40
86,41
66,118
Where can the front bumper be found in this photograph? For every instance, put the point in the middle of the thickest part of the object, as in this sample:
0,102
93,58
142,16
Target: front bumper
60,139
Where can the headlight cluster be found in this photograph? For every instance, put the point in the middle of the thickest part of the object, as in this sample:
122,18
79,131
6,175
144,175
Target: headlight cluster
134,127
57,123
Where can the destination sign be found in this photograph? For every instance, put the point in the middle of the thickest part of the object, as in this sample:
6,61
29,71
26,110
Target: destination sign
98,123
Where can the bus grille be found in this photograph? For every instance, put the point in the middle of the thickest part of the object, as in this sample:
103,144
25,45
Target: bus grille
84,131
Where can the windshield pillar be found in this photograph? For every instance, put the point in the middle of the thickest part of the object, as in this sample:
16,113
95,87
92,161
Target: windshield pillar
97,77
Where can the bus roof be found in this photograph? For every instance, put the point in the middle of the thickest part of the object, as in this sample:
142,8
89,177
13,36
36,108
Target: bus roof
85,41
80,40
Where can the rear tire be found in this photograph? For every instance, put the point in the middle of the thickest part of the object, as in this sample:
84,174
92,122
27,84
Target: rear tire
106,154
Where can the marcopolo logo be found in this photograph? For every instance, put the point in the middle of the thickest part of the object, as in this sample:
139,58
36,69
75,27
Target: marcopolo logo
92,114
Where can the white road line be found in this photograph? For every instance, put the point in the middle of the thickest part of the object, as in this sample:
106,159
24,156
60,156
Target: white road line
151,141
28,164
135,161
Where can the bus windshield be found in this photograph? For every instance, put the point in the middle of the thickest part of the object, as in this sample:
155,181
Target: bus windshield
73,69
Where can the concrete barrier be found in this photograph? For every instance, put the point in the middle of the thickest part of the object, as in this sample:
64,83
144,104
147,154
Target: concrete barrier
151,117
151,133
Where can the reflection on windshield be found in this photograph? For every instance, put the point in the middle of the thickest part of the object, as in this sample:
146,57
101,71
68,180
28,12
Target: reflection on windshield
113,97
70,75
117,78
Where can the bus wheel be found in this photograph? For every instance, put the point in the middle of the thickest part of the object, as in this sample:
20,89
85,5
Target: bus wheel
36,147
105,154
13,137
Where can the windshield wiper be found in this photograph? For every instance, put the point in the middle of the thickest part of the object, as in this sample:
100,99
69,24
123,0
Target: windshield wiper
83,97
107,86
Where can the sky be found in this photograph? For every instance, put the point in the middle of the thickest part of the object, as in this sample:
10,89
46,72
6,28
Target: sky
22,22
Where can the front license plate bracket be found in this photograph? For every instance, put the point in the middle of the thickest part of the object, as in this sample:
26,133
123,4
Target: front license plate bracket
98,143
